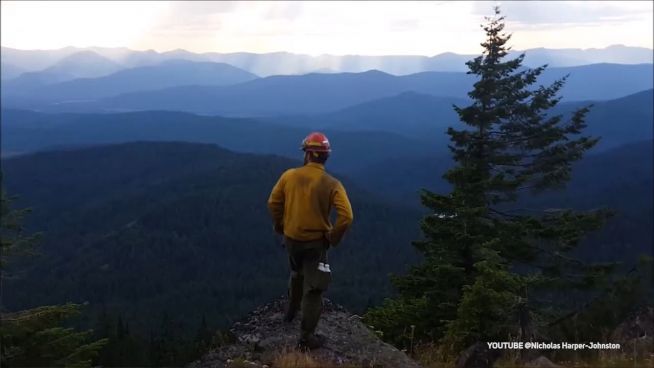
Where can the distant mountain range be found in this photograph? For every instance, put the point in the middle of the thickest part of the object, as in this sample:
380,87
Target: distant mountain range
416,115
86,64
426,117
319,93
9,71
83,64
619,121
167,74
406,125
283,63
116,80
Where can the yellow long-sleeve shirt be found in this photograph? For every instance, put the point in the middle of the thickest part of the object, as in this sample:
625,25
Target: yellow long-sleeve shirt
301,201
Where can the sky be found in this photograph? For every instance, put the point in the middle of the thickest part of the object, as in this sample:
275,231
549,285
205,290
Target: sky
322,27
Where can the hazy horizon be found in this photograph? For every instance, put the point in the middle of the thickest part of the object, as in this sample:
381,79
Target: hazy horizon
319,55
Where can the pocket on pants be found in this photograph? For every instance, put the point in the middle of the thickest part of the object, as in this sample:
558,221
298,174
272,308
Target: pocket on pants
318,280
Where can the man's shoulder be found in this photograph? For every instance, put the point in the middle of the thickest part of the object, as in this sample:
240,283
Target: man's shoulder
306,170
289,171
332,180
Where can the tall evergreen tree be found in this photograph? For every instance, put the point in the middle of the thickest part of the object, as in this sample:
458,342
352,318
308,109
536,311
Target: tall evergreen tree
491,270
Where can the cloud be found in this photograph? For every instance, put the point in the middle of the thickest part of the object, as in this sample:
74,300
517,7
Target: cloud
533,14
319,27
284,11
195,16
404,25
203,8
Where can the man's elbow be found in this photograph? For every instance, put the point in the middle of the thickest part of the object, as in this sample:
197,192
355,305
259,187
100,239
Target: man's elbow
274,206
348,218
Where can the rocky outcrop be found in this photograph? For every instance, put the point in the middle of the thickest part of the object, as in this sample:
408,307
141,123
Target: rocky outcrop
636,333
640,324
263,339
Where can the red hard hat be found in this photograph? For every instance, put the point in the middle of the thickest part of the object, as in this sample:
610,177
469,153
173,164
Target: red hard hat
316,142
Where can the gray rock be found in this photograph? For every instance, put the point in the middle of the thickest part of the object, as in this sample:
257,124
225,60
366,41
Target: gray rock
636,334
542,362
639,325
477,356
262,335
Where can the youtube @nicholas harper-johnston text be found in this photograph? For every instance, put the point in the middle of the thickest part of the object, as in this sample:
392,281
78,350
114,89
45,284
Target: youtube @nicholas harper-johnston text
516,345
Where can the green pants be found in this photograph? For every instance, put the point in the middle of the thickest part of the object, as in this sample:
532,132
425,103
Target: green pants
305,286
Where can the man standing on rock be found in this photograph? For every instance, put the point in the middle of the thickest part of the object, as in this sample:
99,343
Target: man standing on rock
300,205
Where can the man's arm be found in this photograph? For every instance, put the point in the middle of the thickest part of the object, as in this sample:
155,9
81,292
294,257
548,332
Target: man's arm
276,205
344,215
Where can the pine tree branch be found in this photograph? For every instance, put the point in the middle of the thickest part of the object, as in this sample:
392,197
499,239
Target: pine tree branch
503,213
584,306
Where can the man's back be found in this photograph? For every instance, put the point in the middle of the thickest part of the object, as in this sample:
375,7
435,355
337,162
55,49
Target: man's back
301,201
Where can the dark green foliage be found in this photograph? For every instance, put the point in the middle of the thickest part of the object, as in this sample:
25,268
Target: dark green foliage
485,306
37,337
596,317
490,271
13,241
123,348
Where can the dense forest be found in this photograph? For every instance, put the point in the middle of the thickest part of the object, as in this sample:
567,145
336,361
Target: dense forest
185,239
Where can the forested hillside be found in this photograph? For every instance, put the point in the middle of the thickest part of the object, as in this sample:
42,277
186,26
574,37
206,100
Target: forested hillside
28,131
143,228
